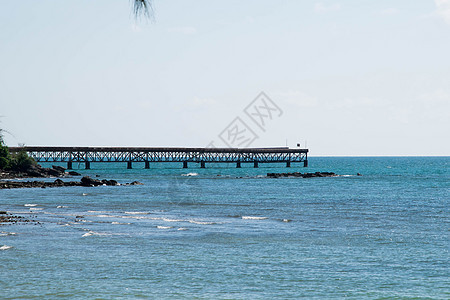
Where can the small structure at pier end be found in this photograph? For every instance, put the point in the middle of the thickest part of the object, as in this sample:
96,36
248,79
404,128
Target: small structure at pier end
87,155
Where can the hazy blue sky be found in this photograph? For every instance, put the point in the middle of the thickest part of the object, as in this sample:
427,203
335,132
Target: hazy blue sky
352,77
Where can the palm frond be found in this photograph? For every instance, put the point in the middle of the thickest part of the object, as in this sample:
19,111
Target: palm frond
142,8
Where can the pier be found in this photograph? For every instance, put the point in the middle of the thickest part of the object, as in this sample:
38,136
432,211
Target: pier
202,156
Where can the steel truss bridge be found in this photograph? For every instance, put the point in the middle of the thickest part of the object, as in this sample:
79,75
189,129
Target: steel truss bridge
86,155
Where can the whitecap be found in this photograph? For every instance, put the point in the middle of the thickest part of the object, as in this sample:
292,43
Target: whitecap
30,205
90,233
61,206
164,227
5,247
136,213
172,220
201,222
253,218
135,217
85,194
287,220
190,174
182,229
103,216
36,208
118,223
4,233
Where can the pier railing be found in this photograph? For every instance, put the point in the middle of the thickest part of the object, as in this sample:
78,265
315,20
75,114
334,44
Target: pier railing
129,155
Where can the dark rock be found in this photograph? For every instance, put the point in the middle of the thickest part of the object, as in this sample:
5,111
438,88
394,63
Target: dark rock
88,181
136,183
59,169
52,172
358,174
298,174
59,182
110,182
35,171
73,173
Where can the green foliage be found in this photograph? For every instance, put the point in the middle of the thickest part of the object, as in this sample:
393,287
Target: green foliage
21,161
5,157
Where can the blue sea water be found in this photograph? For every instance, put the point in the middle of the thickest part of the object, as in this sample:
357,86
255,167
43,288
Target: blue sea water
383,235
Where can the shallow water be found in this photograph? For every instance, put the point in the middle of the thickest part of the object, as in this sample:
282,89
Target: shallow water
382,235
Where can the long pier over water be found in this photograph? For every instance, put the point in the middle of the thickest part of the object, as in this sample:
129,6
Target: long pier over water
86,155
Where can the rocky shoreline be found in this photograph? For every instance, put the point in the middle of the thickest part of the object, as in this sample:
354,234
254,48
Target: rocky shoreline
302,175
36,171
86,181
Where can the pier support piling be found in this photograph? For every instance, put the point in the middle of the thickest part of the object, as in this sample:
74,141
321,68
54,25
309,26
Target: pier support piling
69,165
147,164
305,163
238,164
202,164
185,165
288,164
129,165
255,164
87,165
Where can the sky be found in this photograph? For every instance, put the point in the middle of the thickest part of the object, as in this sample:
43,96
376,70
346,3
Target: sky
350,78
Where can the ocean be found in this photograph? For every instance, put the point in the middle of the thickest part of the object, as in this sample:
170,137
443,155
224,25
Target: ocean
228,233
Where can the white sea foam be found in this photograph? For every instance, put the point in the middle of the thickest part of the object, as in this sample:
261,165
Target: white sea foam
30,205
164,227
85,194
91,233
36,208
118,223
61,206
104,216
4,233
136,213
287,220
137,217
190,174
172,220
5,247
201,222
182,228
253,218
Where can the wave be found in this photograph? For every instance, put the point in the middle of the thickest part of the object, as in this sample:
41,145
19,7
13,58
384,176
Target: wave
136,213
201,222
182,229
61,206
190,174
5,247
91,233
118,223
253,218
164,227
30,205
172,220
4,233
